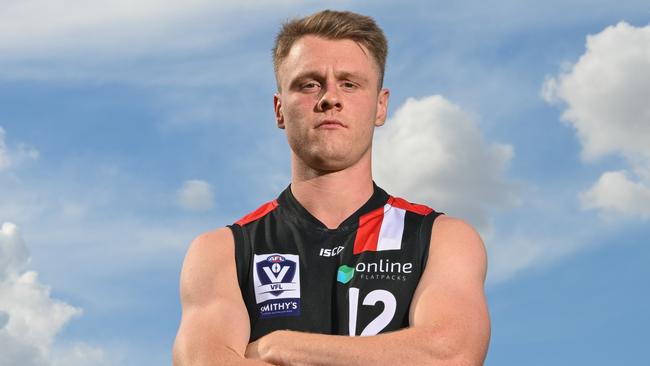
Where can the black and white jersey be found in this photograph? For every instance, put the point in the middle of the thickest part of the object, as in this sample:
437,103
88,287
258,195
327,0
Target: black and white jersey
296,274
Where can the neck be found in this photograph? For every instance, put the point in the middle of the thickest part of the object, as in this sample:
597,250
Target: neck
331,197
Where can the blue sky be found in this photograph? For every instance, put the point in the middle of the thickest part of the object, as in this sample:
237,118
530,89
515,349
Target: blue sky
127,129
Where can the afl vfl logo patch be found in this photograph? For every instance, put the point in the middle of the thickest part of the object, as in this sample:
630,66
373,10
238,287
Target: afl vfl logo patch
276,278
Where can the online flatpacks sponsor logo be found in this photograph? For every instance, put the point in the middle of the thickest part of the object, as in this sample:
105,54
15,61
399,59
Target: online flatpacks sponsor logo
384,269
276,278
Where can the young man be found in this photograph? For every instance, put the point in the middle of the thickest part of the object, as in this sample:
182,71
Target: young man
334,255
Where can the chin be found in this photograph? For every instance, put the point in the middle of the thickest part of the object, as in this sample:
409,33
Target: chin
328,158
331,163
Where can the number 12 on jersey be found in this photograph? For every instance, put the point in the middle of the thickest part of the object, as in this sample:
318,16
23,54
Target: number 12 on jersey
373,297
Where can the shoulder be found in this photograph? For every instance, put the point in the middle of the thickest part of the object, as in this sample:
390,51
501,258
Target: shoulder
455,243
208,253
450,227
212,242
209,267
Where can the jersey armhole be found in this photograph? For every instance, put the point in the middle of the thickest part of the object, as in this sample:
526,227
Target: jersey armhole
425,235
242,255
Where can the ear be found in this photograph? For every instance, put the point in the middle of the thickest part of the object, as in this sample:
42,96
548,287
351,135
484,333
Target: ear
382,107
277,105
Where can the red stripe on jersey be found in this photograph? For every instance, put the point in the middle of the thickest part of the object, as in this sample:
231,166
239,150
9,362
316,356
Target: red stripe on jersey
259,213
368,232
412,207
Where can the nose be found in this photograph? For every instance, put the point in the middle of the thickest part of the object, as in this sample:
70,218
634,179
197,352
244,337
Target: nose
330,100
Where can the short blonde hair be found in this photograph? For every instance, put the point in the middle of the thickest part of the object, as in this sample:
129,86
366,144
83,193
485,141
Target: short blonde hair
332,24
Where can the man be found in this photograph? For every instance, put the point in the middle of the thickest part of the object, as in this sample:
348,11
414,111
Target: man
334,256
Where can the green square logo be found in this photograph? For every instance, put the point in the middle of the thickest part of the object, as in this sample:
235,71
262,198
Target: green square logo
345,274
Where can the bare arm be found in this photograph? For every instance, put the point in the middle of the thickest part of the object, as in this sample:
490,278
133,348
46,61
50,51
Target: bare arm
215,327
448,316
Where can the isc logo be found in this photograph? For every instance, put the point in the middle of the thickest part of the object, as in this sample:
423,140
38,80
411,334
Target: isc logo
330,252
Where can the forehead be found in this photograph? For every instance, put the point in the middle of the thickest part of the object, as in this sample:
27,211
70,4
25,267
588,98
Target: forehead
312,53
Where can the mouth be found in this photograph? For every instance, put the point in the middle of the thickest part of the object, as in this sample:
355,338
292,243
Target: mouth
330,123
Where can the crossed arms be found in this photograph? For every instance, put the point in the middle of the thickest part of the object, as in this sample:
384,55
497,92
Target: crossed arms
449,322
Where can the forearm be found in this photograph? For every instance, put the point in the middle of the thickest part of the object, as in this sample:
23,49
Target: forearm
411,346
217,355
200,345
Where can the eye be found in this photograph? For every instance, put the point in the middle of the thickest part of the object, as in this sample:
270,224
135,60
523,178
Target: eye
349,85
310,85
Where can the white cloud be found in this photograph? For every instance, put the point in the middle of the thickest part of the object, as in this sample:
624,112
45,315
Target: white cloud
606,95
432,152
13,157
606,92
196,195
13,252
615,192
4,156
31,318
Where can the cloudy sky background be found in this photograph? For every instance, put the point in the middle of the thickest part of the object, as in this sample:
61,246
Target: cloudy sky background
128,128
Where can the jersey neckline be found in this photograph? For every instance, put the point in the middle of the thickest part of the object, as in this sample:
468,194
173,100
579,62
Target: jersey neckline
288,203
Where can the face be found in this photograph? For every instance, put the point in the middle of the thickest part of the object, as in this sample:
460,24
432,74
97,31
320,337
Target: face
329,102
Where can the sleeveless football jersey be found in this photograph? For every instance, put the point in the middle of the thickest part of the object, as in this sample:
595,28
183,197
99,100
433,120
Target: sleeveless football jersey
296,274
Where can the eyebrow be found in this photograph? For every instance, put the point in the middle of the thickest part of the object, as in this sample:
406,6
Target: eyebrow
350,75
312,74
316,75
